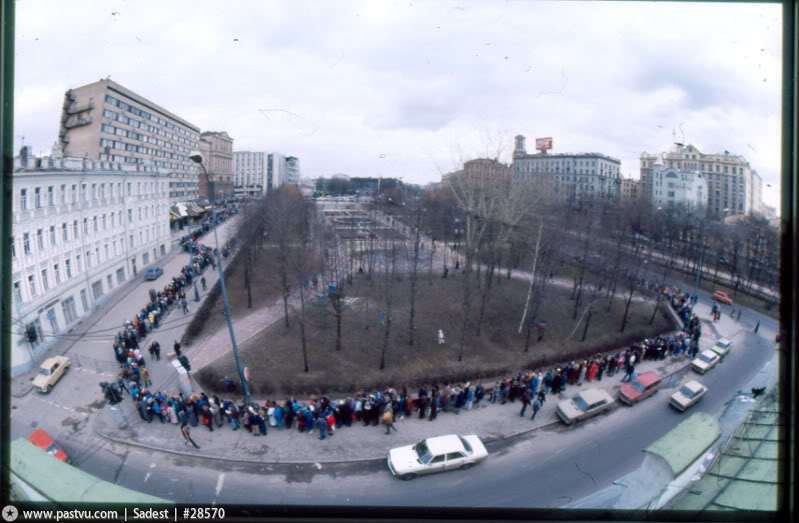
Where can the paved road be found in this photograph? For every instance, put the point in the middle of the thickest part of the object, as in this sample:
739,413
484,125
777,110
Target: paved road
551,469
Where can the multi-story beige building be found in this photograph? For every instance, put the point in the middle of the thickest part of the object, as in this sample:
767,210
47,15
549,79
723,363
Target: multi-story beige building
630,189
733,186
106,121
217,150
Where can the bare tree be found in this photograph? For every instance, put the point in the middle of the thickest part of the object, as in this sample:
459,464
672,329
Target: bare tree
388,287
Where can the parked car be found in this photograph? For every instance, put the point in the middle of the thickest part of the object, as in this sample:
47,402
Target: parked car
153,273
722,347
584,405
436,454
50,372
705,361
688,395
723,297
643,386
42,439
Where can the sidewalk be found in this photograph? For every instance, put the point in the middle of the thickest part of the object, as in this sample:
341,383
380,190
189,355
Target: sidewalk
492,422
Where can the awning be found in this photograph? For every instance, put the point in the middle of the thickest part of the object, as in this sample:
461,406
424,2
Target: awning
194,210
178,210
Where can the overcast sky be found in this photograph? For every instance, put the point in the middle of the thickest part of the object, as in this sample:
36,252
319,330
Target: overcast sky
408,89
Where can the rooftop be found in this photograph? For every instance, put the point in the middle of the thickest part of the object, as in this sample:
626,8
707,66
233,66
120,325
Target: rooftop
444,444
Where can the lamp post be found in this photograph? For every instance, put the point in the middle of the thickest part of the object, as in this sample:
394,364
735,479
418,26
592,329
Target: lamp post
197,158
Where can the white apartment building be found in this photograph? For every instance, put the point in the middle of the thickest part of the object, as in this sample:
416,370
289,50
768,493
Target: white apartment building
106,121
569,177
672,187
249,173
733,186
292,170
80,229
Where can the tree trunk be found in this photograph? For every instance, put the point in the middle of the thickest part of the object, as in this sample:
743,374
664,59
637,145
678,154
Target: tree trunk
489,279
414,277
467,301
338,323
587,322
247,262
627,308
303,338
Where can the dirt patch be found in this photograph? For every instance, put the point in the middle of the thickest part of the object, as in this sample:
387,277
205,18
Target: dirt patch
274,356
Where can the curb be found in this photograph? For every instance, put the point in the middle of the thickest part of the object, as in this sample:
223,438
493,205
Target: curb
492,440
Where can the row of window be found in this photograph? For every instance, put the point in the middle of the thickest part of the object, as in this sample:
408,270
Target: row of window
50,195
121,118
148,116
127,133
130,147
70,232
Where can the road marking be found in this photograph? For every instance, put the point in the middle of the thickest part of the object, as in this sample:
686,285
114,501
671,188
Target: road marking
219,482
146,477
54,404
152,465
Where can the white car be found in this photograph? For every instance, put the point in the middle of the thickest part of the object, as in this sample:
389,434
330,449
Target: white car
436,455
705,361
687,396
722,347
584,405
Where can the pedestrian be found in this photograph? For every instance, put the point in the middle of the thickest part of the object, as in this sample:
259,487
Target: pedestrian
757,326
388,420
537,404
321,424
202,281
185,305
526,397
145,376
176,347
184,429
157,350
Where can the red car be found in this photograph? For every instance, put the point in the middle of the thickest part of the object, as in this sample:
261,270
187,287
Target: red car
42,439
640,388
722,297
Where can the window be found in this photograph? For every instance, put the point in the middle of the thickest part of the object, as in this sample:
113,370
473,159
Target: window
131,240
64,232
23,199
85,226
75,229
37,197
106,128
40,239
68,307
105,223
88,259
120,276
50,196
32,285
57,273
107,255
45,280
110,281
17,292
26,243
84,300
73,192
130,215
83,192
78,264
116,251
94,191
454,455
68,268
52,236
94,222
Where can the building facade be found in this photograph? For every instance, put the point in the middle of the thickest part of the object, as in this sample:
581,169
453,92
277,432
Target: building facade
275,171
733,186
249,173
630,189
106,121
81,228
292,170
217,151
672,187
568,177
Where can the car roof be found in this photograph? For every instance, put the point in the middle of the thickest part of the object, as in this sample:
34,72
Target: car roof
648,378
49,362
40,438
710,353
444,444
695,386
723,341
592,396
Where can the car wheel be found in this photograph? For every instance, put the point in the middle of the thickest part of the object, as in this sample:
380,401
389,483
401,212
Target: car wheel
407,477
47,389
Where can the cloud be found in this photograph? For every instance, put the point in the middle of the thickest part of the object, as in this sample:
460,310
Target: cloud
423,84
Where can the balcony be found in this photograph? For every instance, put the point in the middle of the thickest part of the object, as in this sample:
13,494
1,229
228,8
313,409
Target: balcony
77,121
74,108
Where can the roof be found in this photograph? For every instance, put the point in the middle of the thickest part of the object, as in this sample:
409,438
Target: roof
648,378
709,353
723,342
686,442
445,444
694,386
744,475
592,396
64,483
52,360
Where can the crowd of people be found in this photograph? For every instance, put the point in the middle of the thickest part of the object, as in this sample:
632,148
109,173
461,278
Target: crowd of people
323,415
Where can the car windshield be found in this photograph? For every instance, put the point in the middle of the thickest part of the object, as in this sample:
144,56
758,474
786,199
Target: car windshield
466,445
706,358
637,385
423,452
581,403
687,392
44,371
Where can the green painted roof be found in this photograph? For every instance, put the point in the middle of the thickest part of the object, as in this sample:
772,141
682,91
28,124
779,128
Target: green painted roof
744,475
62,482
686,442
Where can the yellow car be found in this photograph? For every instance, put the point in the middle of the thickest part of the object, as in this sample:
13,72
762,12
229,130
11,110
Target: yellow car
50,372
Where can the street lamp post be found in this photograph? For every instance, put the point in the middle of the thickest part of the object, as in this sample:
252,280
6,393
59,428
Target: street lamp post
196,157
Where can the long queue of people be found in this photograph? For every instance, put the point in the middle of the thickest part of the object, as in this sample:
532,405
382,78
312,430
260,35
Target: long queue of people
323,415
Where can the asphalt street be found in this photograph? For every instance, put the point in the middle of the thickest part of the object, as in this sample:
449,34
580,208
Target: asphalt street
552,468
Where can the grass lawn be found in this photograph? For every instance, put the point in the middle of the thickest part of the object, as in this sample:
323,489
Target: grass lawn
274,357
